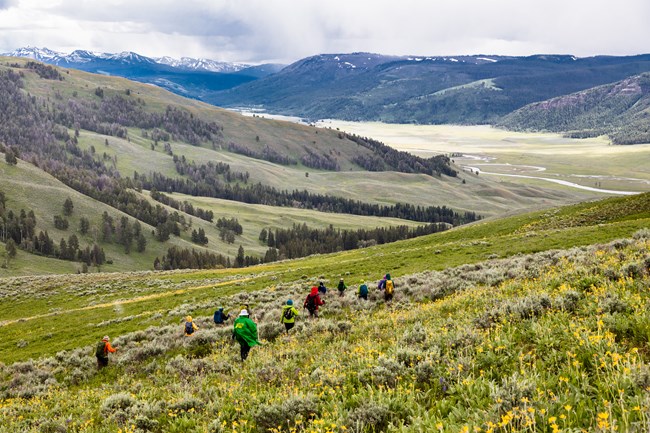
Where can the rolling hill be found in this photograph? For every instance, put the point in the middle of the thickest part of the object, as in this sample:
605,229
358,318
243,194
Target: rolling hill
533,322
620,110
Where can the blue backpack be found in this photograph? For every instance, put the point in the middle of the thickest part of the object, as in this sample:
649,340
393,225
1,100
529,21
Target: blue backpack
363,290
218,317
189,329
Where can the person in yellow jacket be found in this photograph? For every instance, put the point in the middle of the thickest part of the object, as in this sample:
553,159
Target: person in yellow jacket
190,326
289,314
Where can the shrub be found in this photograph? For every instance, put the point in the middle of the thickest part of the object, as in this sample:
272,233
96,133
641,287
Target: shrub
369,416
416,335
121,401
52,427
643,233
512,392
285,414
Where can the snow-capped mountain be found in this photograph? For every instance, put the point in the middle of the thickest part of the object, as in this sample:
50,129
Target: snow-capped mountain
41,54
194,78
201,64
78,57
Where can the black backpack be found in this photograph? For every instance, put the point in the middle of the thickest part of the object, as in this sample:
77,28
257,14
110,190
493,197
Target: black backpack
288,313
218,317
311,303
100,351
189,329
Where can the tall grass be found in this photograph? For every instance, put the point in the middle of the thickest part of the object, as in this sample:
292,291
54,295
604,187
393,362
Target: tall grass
544,342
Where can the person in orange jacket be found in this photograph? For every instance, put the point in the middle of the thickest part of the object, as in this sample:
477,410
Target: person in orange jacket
101,352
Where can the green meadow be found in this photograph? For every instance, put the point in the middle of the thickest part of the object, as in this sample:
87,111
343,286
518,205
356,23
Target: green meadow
536,322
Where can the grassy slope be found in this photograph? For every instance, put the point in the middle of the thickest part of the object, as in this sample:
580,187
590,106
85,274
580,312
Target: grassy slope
27,187
532,343
576,225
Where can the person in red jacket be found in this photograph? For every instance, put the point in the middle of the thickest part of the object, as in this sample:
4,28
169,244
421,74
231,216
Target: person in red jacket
312,302
102,351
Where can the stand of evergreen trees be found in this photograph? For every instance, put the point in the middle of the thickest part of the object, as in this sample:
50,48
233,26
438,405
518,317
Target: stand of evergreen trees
387,158
185,206
184,258
263,194
19,229
301,240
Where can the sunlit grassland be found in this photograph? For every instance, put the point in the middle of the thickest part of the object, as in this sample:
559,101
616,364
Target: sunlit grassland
560,156
553,341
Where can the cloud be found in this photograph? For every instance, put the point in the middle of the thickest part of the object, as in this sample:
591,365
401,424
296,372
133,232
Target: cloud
6,4
286,30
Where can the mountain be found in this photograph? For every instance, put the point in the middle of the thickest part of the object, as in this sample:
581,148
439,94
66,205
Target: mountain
620,110
427,90
193,78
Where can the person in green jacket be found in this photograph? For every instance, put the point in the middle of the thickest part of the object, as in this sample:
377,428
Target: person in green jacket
289,314
245,332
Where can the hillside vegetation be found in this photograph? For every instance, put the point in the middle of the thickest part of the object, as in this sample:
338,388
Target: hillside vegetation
620,110
531,323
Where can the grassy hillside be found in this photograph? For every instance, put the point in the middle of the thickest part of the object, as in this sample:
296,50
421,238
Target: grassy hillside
29,188
619,110
523,341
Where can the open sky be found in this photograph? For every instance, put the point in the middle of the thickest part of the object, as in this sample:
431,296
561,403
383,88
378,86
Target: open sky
258,31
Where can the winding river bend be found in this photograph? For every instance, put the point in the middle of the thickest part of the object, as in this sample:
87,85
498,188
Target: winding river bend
476,169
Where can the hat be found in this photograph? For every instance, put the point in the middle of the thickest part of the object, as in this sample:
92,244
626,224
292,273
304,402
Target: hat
105,338
188,318
243,313
289,302
341,279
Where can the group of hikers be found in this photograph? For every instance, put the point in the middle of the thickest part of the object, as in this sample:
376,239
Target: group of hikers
245,329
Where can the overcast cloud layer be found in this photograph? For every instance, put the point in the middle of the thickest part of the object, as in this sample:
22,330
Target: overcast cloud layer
283,31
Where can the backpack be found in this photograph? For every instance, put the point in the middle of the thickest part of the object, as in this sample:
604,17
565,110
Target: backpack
311,303
189,329
100,351
389,287
363,290
218,317
288,313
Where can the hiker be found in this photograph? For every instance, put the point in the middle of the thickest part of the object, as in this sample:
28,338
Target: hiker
382,283
321,288
190,326
245,332
220,317
101,352
341,287
312,302
289,314
389,288
248,310
363,291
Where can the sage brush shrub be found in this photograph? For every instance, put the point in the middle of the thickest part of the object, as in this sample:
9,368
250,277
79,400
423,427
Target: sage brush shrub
299,408
512,392
369,417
